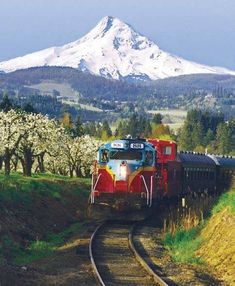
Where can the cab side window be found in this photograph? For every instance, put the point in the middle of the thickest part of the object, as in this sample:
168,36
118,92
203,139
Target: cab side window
104,156
149,158
167,150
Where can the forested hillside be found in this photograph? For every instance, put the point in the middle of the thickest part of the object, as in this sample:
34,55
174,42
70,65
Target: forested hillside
86,92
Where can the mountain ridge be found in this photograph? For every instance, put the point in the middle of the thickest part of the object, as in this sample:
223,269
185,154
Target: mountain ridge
114,50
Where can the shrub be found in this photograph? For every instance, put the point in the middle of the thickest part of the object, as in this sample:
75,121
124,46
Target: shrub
183,244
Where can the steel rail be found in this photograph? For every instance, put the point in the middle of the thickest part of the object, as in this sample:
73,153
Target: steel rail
132,247
91,245
143,263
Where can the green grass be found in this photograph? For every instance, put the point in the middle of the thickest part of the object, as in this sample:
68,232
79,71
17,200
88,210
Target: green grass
45,248
183,244
226,200
19,189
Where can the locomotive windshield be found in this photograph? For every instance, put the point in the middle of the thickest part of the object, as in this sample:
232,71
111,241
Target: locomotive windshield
126,155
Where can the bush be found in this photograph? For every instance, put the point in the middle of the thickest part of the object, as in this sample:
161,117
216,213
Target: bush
183,244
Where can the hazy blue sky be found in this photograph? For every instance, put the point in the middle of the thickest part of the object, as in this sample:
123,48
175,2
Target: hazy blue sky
199,30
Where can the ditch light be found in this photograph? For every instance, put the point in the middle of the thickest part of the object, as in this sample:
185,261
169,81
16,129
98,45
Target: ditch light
123,171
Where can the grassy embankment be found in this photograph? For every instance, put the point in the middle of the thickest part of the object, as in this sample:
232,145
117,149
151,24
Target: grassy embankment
184,243
38,214
212,241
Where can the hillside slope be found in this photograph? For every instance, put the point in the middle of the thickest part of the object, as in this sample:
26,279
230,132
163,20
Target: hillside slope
32,207
186,92
218,247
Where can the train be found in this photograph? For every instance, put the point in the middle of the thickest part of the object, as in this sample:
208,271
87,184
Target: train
135,174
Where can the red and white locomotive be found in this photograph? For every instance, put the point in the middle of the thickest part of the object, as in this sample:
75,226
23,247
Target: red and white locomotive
136,173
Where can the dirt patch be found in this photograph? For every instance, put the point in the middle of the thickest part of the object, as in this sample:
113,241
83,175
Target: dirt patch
69,266
31,217
44,214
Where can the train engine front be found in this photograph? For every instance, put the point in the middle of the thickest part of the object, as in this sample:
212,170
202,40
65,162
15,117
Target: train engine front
124,175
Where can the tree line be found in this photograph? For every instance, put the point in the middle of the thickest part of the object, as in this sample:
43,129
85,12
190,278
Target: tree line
202,131
32,142
207,130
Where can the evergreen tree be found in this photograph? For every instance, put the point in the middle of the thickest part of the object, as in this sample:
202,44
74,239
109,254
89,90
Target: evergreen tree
106,128
6,105
29,108
122,129
90,129
133,126
209,137
185,137
223,138
197,135
78,129
157,118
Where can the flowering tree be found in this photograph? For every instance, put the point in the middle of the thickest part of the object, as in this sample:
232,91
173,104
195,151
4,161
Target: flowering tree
35,140
88,147
12,131
75,156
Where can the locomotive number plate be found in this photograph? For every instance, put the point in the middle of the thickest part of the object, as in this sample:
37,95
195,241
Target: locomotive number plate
137,145
117,145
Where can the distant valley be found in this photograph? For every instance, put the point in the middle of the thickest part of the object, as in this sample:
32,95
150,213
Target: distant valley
55,89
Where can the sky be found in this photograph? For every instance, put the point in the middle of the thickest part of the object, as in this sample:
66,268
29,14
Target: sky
198,30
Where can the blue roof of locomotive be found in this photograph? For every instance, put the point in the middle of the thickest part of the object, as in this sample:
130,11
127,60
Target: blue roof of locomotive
126,144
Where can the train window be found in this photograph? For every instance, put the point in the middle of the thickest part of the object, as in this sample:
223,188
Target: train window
149,158
187,172
104,155
190,175
167,150
212,174
198,173
126,155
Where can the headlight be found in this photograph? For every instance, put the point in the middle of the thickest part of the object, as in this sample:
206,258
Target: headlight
122,171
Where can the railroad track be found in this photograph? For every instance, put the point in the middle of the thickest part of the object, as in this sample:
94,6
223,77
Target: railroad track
115,259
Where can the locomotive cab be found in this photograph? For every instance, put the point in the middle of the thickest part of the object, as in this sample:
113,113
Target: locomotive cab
124,174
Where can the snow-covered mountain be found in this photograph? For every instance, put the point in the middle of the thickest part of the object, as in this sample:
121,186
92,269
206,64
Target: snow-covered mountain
113,49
